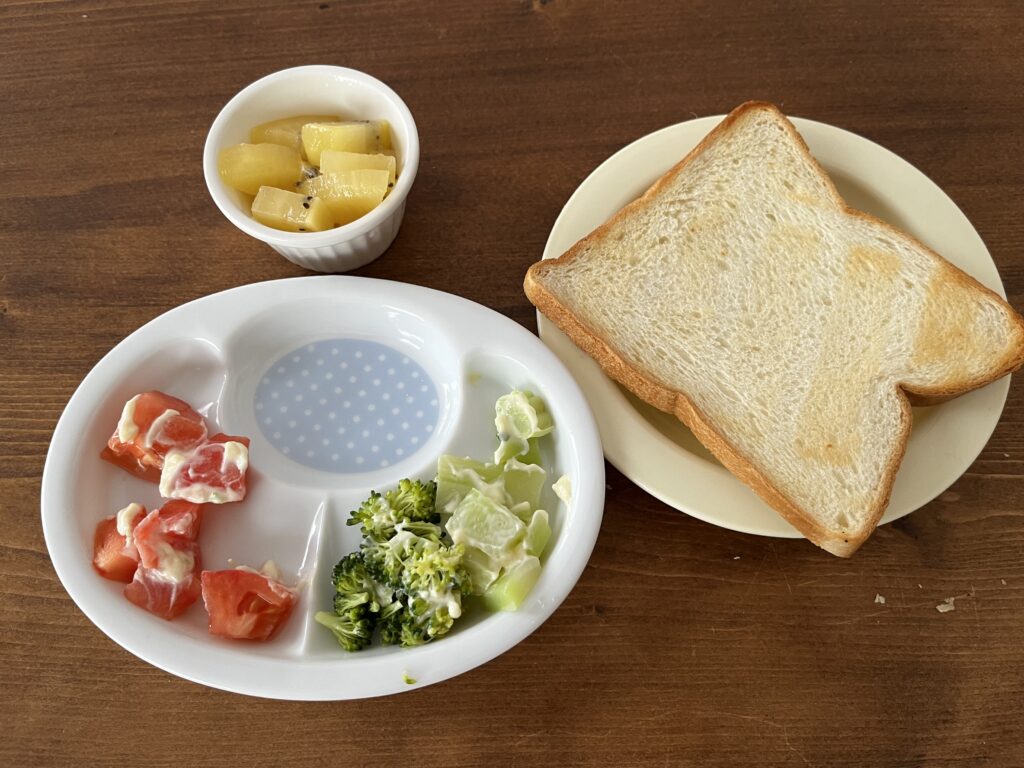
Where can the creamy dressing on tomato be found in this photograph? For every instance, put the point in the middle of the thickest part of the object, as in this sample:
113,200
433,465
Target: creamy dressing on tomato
235,454
173,564
182,524
127,429
272,574
268,569
157,427
125,518
201,493
173,462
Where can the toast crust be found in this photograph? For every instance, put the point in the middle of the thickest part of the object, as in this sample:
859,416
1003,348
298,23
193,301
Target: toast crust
679,404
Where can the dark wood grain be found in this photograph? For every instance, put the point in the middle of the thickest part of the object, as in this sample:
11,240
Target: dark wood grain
683,644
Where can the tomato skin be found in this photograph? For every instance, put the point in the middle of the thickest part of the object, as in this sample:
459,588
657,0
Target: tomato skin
245,605
130,463
112,557
163,597
183,432
166,582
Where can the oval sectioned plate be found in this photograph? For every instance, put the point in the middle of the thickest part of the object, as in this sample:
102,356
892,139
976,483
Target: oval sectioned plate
344,385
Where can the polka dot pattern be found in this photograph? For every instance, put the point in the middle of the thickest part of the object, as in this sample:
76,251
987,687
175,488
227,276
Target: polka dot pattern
346,405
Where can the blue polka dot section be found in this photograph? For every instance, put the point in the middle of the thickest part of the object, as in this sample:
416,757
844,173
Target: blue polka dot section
346,405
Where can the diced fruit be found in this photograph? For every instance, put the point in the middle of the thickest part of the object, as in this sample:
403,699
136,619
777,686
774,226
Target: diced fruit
114,557
213,473
288,131
509,591
350,136
244,604
167,579
350,194
291,211
275,164
151,424
247,167
333,160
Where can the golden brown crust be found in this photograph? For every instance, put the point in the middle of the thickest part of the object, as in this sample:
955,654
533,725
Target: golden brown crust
947,390
678,404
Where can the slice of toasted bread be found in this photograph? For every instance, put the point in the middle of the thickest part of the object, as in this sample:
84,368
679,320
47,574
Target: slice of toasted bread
788,331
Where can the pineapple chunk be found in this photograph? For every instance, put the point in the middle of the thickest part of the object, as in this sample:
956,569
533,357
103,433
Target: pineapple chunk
349,194
291,211
351,136
247,167
288,131
332,160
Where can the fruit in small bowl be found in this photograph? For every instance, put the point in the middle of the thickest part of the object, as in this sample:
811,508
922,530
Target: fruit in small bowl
272,114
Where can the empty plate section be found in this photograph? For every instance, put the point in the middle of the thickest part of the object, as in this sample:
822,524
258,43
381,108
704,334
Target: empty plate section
342,394
346,405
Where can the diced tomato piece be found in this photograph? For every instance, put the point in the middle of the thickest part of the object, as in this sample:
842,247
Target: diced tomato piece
167,579
245,605
164,597
113,556
128,462
176,524
213,473
151,424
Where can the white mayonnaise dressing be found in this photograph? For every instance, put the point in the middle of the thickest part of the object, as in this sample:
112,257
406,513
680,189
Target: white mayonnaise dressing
127,429
125,517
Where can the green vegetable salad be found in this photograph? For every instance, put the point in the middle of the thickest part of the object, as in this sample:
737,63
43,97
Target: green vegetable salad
477,529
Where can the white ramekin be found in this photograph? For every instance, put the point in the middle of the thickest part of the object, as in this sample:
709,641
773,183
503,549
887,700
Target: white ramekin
318,89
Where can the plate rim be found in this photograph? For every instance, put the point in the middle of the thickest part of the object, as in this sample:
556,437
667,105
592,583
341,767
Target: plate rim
279,677
634,426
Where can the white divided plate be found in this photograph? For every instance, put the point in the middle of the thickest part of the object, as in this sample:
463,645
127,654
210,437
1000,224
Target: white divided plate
345,385
659,453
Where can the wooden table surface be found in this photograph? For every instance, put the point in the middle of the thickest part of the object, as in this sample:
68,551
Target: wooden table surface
682,643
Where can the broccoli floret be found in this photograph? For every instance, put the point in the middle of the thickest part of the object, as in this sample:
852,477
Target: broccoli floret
356,604
383,562
405,580
351,635
410,504
350,577
414,500
428,578
375,516
418,623
391,629
433,567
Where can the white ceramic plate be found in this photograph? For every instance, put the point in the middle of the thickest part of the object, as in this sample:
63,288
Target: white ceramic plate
421,371
662,456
